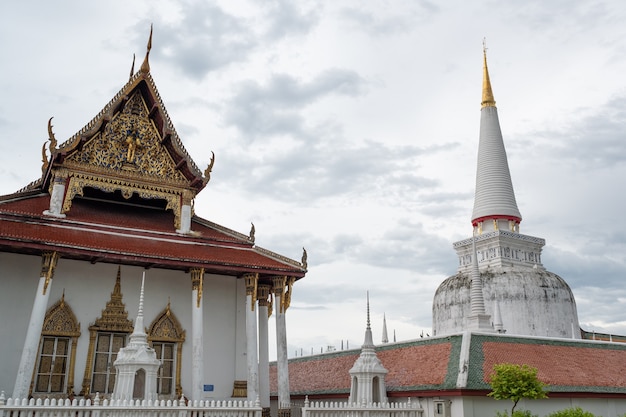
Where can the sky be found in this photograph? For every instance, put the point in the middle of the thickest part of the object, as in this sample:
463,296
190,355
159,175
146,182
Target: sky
350,128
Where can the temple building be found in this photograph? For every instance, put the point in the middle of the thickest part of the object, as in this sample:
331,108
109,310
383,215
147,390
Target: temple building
115,201
502,306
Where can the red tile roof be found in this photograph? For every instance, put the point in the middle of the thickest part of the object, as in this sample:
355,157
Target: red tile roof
433,366
416,365
582,365
410,365
115,233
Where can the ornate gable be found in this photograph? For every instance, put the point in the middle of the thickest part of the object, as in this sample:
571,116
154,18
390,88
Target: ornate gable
130,148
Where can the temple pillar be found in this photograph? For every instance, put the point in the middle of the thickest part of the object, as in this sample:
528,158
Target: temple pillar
197,339
251,336
33,333
282,296
56,198
263,292
185,214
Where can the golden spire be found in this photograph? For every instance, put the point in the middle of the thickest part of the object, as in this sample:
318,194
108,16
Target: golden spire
488,100
145,67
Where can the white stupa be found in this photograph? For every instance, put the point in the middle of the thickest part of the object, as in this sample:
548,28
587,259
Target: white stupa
517,290
368,373
136,364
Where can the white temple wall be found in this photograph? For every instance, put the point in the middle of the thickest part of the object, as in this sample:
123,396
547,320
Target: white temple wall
88,288
16,301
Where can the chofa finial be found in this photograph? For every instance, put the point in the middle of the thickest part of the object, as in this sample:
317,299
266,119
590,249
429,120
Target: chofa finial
304,259
252,232
145,67
209,168
132,68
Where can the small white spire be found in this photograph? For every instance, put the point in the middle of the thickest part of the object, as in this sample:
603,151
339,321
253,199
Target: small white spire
138,331
369,341
385,338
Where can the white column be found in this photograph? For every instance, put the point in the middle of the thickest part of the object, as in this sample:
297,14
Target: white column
185,219
251,337
263,292
185,213
33,333
281,298
197,326
56,198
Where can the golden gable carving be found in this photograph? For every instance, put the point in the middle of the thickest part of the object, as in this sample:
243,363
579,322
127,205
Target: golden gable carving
129,144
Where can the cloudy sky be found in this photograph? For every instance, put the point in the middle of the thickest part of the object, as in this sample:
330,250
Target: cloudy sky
351,128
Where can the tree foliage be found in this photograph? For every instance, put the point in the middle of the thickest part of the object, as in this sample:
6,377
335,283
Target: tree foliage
514,382
572,412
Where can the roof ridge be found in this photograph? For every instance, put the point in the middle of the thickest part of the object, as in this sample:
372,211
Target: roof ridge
279,257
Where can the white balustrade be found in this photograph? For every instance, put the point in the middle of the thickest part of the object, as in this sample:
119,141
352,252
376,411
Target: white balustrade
344,409
126,408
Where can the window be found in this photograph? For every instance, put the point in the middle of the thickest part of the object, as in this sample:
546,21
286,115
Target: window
52,368
53,372
106,336
107,346
165,377
167,337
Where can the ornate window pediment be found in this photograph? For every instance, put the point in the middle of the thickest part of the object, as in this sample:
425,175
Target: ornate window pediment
54,371
107,336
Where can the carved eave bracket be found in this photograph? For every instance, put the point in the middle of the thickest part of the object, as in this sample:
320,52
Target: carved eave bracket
78,181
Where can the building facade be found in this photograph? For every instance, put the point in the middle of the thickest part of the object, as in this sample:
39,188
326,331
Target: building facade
115,202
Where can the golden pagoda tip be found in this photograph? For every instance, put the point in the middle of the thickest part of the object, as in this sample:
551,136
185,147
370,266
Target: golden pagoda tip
145,67
488,99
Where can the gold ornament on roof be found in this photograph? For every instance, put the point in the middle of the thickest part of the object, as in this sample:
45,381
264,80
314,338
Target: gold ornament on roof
53,140
145,67
44,158
209,168
304,259
132,68
252,232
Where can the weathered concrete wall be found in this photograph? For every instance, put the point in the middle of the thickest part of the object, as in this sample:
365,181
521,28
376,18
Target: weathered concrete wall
533,302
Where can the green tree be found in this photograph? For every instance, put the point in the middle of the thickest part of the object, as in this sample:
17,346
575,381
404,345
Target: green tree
514,382
571,412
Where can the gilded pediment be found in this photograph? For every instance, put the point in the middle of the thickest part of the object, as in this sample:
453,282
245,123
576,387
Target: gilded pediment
128,146
130,150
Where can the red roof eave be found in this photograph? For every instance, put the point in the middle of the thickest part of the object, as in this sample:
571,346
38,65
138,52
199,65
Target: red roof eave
145,248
